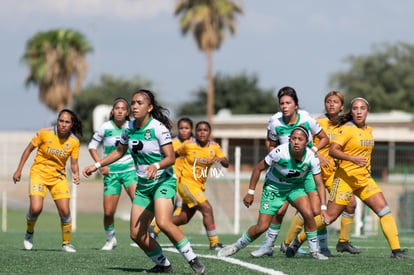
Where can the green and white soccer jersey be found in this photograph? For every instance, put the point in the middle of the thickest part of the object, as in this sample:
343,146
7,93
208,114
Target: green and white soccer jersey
285,172
145,144
279,130
109,135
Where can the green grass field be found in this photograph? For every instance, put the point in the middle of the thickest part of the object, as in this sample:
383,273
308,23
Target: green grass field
46,257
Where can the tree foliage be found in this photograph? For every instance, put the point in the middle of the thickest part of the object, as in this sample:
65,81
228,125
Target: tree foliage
104,92
57,59
208,20
240,93
385,77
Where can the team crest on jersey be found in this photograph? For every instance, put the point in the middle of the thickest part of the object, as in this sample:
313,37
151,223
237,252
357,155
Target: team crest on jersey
266,205
66,146
305,167
147,135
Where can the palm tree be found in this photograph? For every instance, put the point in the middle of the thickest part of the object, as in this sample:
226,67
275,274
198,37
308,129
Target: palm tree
57,59
208,20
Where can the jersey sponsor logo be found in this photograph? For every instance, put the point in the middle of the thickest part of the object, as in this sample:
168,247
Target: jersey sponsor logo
137,146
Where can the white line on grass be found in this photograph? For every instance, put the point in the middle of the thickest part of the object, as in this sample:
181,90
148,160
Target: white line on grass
235,261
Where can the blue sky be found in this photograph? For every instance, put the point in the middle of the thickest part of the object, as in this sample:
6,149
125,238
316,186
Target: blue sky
296,43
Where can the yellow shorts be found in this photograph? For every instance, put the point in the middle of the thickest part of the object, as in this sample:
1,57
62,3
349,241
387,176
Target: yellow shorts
344,186
192,194
58,188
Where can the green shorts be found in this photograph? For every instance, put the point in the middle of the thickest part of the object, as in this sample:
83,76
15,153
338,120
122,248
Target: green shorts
310,184
272,199
148,191
114,181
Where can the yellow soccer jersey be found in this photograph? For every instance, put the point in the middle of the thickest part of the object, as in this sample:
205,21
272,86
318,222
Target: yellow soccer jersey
179,161
197,161
52,153
323,120
355,141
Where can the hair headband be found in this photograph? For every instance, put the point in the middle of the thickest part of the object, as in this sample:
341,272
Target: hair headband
146,94
120,99
303,129
359,98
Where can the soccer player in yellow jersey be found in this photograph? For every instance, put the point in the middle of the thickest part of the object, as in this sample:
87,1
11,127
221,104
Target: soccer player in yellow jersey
185,132
55,146
200,154
352,145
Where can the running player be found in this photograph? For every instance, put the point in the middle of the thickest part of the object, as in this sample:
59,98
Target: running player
118,174
185,132
199,155
149,140
55,146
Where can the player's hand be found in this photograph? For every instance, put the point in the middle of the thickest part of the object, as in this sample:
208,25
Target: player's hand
248,200
359,160
324,162
104,170
16,176
89,170
151,172
76,179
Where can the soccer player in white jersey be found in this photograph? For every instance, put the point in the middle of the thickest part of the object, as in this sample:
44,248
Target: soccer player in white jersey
118,174
148,138
279,129
288,166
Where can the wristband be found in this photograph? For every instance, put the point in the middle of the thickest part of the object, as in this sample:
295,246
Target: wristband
315,149
250,192
98,165
324,207
157,164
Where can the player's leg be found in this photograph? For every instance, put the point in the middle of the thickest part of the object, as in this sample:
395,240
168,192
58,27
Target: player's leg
61,195
271,233
249,236
302,203
208,221
164,199
112,192
347,219
374,198
37,194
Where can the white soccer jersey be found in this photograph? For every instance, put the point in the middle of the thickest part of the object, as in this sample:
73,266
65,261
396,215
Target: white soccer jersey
109,136
285,171
279,131
145,144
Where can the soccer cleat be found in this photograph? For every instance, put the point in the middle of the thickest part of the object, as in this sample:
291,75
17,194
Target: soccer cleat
326,252
319,256
28,241
160,269
347,247
110,244
283,247
227,251
293,248
152,233
198,267
217,246
400,255
262,251
68,248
